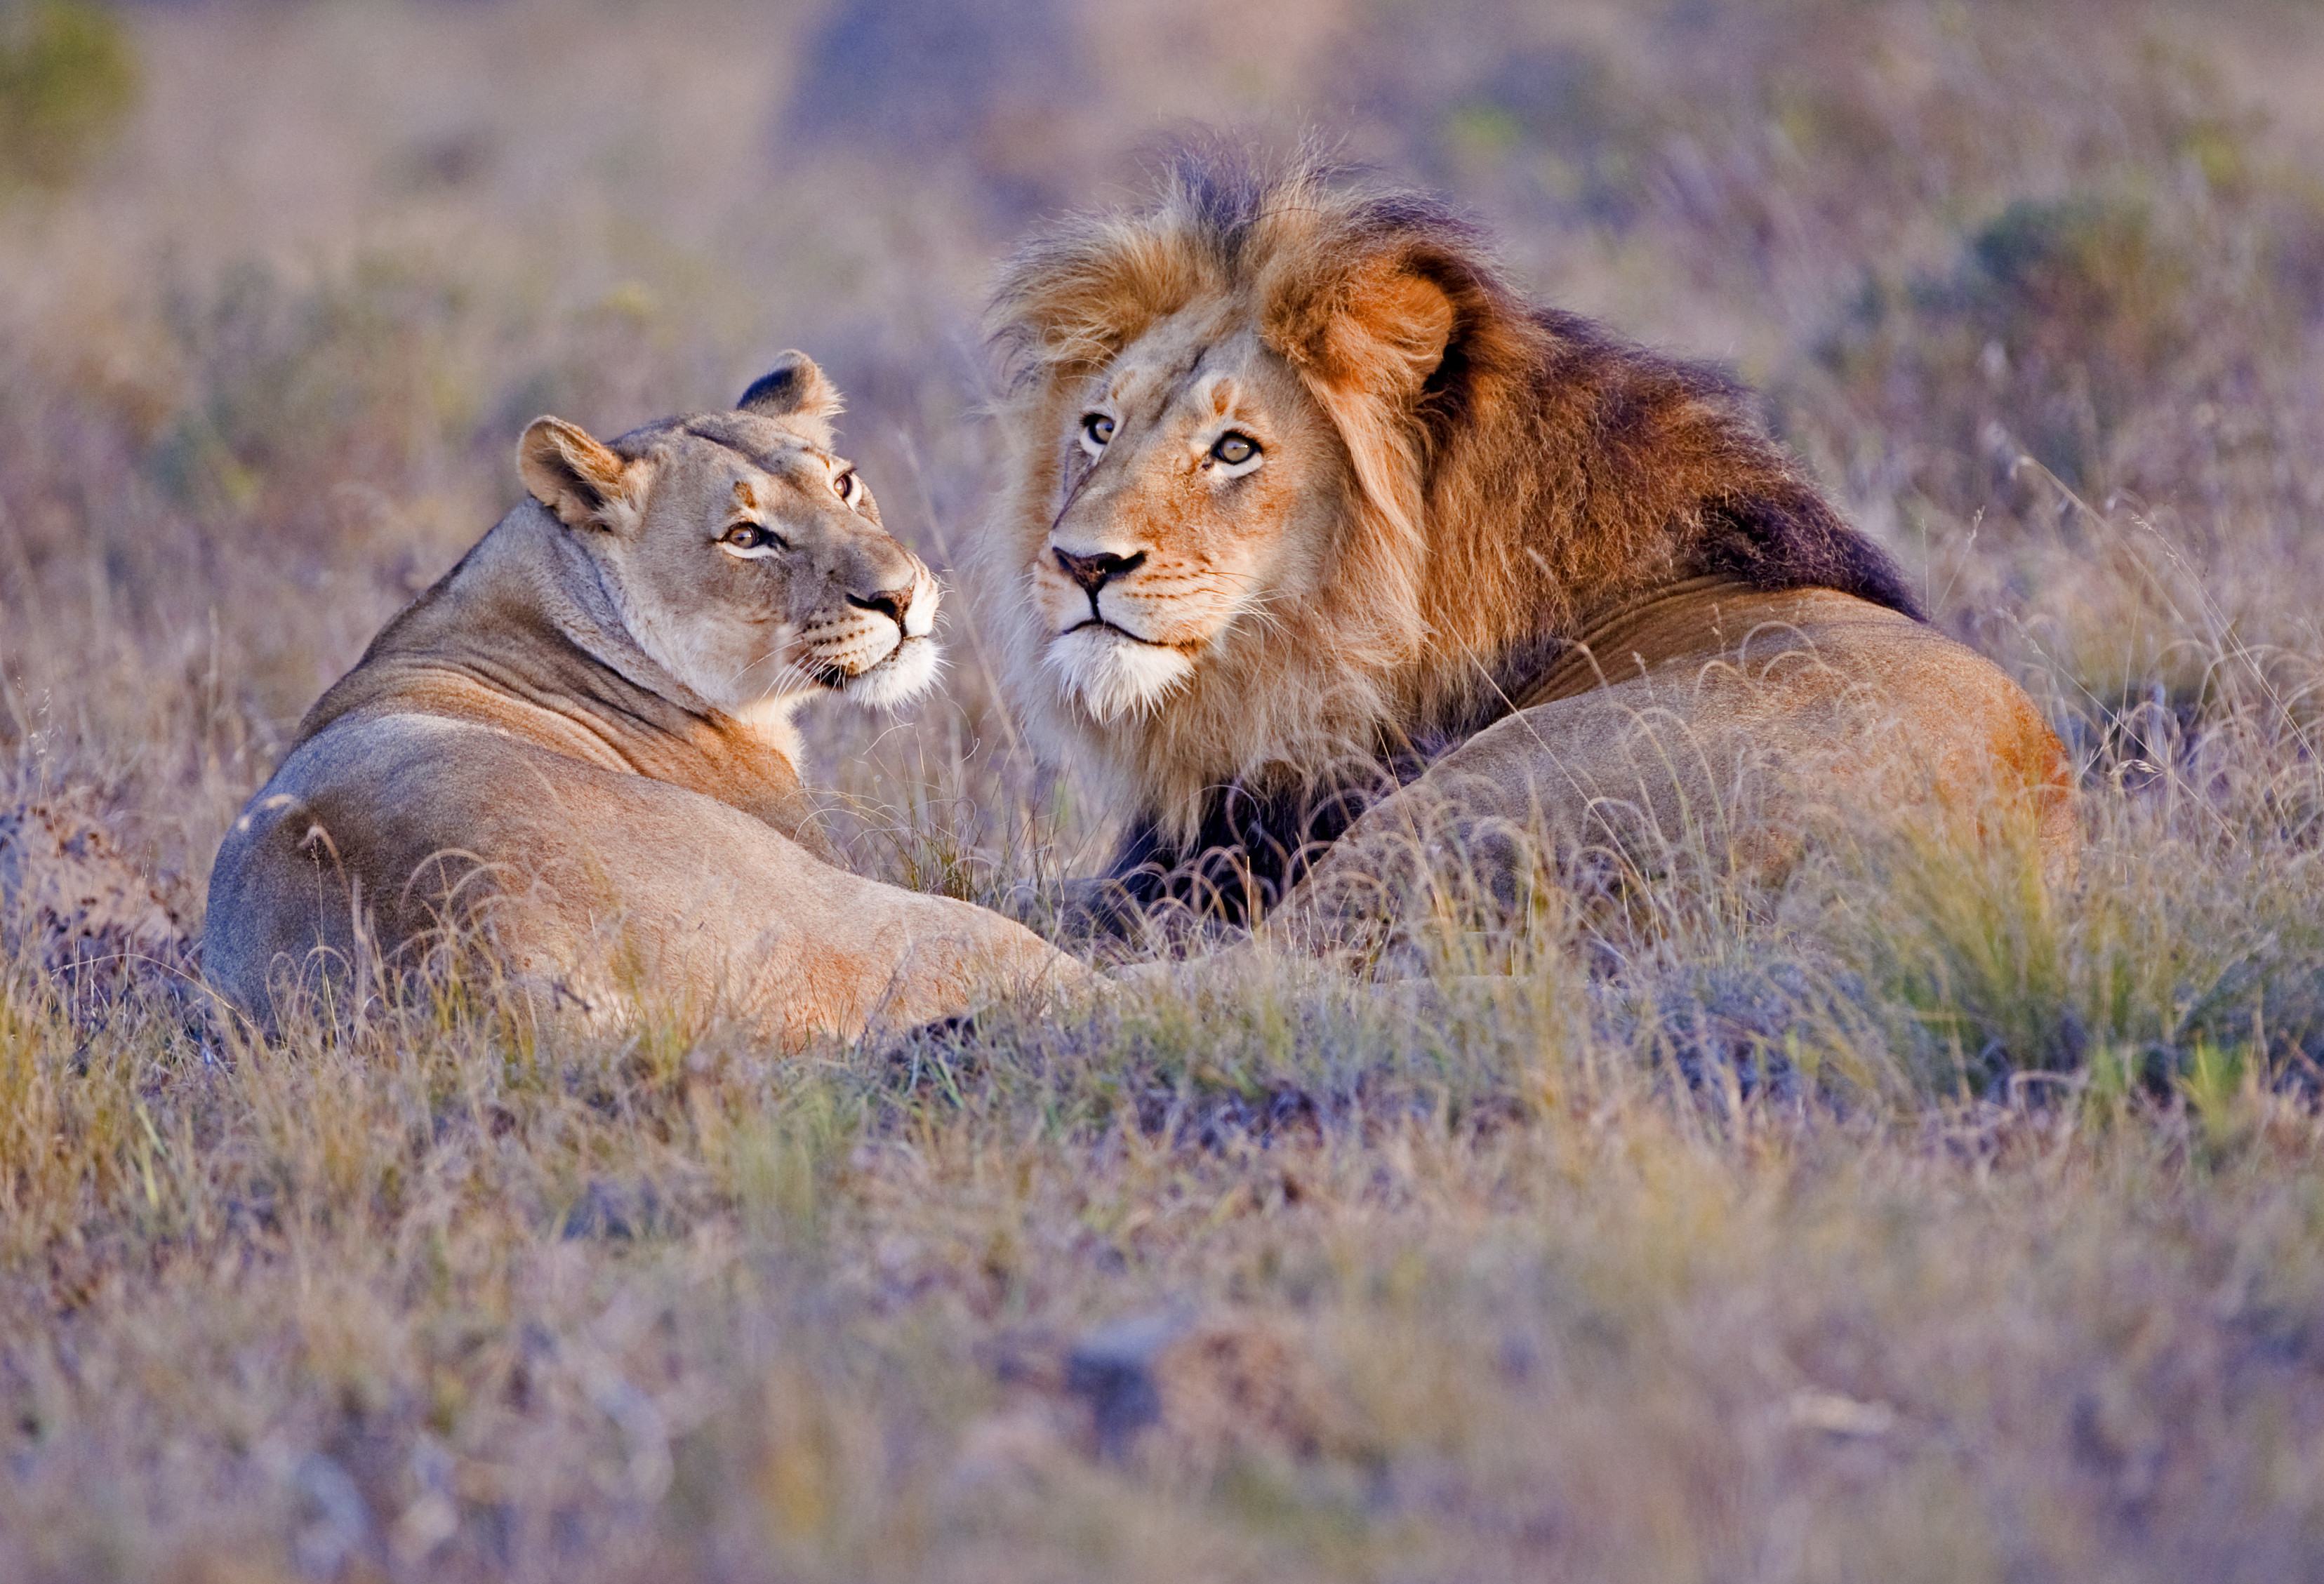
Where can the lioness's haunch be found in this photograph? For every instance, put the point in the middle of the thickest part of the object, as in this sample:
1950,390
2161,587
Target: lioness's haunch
575,750
1324,547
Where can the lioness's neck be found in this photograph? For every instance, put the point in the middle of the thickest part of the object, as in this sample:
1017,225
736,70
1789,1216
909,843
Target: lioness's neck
524,636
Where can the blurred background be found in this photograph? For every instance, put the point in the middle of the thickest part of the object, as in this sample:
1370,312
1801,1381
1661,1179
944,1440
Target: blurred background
1906,1221
2038,288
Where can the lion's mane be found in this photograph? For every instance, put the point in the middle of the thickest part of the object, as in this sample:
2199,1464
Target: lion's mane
1535,475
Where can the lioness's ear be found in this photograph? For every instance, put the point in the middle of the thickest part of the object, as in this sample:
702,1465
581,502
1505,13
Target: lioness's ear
796,391
1382,326
572,473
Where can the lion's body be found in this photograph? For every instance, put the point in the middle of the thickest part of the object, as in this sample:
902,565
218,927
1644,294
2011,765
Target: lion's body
509,768
1440,492
1717,725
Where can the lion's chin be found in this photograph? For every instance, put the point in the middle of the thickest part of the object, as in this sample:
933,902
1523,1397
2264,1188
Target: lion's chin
908,672
1110,676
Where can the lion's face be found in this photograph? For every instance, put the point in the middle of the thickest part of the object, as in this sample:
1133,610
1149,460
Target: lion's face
1213,552
1194,476
748,560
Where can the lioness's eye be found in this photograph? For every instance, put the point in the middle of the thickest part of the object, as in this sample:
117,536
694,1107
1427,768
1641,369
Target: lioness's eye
1235,449
847,484
1098,428
748,535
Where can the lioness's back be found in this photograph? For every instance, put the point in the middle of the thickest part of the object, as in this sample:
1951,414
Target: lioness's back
599,887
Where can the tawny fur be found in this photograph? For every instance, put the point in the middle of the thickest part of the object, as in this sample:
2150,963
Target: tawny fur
573,752
1504,477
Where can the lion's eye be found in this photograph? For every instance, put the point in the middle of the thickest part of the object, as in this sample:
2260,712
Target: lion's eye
1235,448
748,535
848,486
1097,428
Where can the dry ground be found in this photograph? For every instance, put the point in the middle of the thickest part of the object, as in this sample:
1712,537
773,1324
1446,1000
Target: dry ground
1907,1223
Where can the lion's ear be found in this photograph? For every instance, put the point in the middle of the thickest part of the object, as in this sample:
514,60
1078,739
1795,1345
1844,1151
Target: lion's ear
1381,327
796,391
570,470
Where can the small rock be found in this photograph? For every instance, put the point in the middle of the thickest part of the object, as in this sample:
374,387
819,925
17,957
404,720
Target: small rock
1192,1391
1112,1369
1837,1415
611,1210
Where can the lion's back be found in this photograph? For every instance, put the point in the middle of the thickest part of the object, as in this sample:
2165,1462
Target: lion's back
1723,726
1774,711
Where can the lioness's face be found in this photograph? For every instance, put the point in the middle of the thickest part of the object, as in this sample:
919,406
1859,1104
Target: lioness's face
1193,477
747,558
760,572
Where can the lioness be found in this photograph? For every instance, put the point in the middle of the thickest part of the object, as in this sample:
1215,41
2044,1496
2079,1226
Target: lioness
577,745
1307,503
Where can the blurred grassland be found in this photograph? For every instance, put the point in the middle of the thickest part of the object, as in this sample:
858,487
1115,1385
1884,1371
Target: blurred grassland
1905,1223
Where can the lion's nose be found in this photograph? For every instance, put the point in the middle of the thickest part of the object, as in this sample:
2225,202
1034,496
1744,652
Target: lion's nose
894,603
1094,572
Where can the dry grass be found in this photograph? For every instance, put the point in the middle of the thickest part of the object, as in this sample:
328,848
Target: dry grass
1906,1223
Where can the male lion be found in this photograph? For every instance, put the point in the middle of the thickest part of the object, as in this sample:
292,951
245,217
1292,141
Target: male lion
1306,502
577,748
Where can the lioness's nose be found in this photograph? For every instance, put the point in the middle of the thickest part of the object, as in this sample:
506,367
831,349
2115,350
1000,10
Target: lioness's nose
896,603
1094,572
